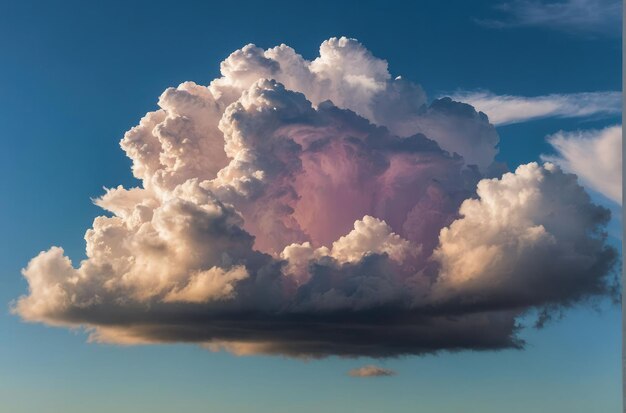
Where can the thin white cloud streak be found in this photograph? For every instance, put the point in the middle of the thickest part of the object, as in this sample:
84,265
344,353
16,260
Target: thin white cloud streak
508,109
594,155
584,17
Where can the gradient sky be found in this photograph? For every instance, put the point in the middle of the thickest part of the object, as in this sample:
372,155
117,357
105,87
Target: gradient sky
74,78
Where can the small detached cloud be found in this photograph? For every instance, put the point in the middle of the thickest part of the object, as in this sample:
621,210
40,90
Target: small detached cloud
508,109
371,371
582,17
325,207
594,155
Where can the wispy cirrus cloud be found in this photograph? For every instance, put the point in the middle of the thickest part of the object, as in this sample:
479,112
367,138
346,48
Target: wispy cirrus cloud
371,371
507,109
584,17
594,155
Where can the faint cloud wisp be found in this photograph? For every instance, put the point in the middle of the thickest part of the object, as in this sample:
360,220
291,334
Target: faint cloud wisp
371,371
508,109
594,155
585,17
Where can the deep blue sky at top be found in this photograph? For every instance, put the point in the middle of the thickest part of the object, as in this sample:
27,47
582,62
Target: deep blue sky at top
75,75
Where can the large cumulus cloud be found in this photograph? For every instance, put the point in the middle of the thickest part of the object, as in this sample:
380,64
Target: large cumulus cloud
314,208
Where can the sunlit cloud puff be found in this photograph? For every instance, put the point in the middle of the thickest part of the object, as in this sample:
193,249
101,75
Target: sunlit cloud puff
324,207
371,371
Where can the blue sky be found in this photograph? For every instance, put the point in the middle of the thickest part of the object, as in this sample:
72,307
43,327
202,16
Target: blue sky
74,78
